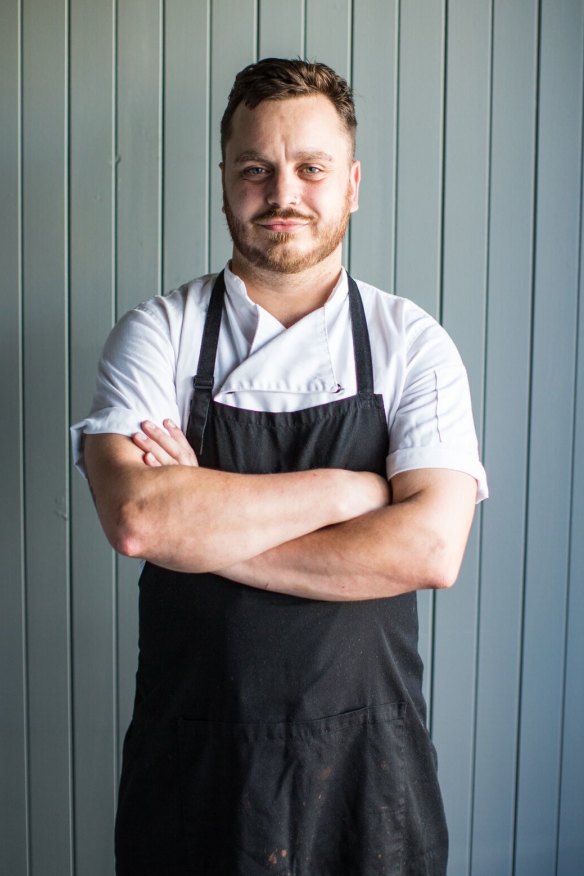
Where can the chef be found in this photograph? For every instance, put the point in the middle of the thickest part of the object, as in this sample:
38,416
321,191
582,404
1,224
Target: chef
293,455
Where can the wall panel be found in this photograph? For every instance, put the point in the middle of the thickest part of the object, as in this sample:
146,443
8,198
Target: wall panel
45,250
551,436
281,28
375,80
572,776
464,280
91,306
186,142
471,204
139,147
328,33
13,689
506,432
419,152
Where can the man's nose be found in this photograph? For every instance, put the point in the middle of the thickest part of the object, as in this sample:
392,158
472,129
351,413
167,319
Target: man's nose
284,189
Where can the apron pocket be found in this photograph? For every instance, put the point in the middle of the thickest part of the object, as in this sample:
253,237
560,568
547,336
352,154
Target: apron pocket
322,797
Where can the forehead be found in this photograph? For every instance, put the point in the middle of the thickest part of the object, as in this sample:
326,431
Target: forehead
305,124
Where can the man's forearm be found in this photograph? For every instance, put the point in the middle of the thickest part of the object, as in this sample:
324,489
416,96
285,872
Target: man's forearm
414,544
348,561
195,519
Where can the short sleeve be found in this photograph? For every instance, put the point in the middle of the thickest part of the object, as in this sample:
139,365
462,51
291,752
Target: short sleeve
135,378
433,426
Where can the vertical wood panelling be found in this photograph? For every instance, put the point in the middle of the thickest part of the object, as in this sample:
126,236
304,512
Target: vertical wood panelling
470,115
418,228
138,244
375,60
13,773
231,49
186,141
572,776
419,153
552,416
511,218
466,185
139,151
281,25
464,278
91,313
328,33
45,30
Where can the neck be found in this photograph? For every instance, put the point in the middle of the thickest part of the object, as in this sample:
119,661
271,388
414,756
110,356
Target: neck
289,297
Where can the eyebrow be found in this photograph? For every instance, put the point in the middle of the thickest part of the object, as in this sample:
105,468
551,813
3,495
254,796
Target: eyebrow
305,155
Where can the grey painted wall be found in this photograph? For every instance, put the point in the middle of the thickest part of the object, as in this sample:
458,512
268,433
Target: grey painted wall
471,140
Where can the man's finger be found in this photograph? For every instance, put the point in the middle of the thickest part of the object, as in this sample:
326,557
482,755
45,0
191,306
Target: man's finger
187,454
169,445
152,447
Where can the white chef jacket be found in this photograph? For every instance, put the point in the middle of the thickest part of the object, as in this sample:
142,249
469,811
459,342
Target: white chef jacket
147,366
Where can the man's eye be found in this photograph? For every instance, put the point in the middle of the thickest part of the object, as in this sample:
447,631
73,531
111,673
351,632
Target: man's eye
255,171
312,170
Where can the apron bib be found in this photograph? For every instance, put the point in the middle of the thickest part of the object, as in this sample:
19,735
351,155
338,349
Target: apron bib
273,734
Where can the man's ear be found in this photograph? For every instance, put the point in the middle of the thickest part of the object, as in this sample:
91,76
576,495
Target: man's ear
222,169
355,179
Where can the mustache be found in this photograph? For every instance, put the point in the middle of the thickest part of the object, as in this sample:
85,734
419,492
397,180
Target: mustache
281,214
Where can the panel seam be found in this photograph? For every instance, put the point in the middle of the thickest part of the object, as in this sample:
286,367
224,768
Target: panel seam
114,305
528,449
24,574
67,375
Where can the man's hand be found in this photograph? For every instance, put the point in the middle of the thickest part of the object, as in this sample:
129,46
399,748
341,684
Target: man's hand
161,447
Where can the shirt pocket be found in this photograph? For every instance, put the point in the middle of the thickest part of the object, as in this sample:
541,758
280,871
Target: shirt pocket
322,797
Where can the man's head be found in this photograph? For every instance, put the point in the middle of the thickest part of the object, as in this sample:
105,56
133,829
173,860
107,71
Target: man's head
290,180
282,78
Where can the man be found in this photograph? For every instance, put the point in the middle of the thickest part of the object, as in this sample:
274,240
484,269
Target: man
323,470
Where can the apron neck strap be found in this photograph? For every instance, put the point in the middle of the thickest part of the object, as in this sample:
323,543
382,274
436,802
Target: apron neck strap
208,352
361,345
204,378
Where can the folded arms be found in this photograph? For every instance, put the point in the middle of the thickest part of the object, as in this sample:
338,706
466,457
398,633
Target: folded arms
321,534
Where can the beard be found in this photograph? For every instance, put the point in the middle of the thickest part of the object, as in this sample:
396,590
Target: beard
275,254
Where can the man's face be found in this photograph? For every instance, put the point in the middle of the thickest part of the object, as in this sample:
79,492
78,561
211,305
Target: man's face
289,183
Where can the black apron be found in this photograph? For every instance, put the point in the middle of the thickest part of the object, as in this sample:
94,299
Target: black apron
273,734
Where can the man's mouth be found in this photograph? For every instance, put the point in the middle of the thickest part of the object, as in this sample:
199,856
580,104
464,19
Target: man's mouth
281,226
283,222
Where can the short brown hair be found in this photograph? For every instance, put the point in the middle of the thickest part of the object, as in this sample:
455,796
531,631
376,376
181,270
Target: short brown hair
280,78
